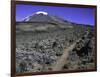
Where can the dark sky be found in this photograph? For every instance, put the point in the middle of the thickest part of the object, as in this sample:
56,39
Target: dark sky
73,14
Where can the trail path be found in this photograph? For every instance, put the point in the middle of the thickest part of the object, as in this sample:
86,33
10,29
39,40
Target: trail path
60,63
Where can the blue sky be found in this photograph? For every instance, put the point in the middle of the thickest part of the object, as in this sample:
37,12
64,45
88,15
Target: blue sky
73,14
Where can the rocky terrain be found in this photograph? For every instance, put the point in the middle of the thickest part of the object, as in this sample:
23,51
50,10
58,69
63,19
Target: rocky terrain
41,45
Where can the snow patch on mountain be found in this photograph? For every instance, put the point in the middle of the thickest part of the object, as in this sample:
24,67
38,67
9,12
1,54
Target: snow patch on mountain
42,12
36,13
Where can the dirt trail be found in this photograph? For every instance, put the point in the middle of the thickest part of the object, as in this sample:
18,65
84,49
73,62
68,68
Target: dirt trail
60,63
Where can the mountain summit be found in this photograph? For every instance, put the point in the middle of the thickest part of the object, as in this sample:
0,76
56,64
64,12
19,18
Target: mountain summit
43,17
42,12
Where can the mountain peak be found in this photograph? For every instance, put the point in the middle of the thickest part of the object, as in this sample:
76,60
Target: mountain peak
42,12
42,16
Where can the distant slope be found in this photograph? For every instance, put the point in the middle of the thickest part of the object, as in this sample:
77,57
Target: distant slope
42,21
